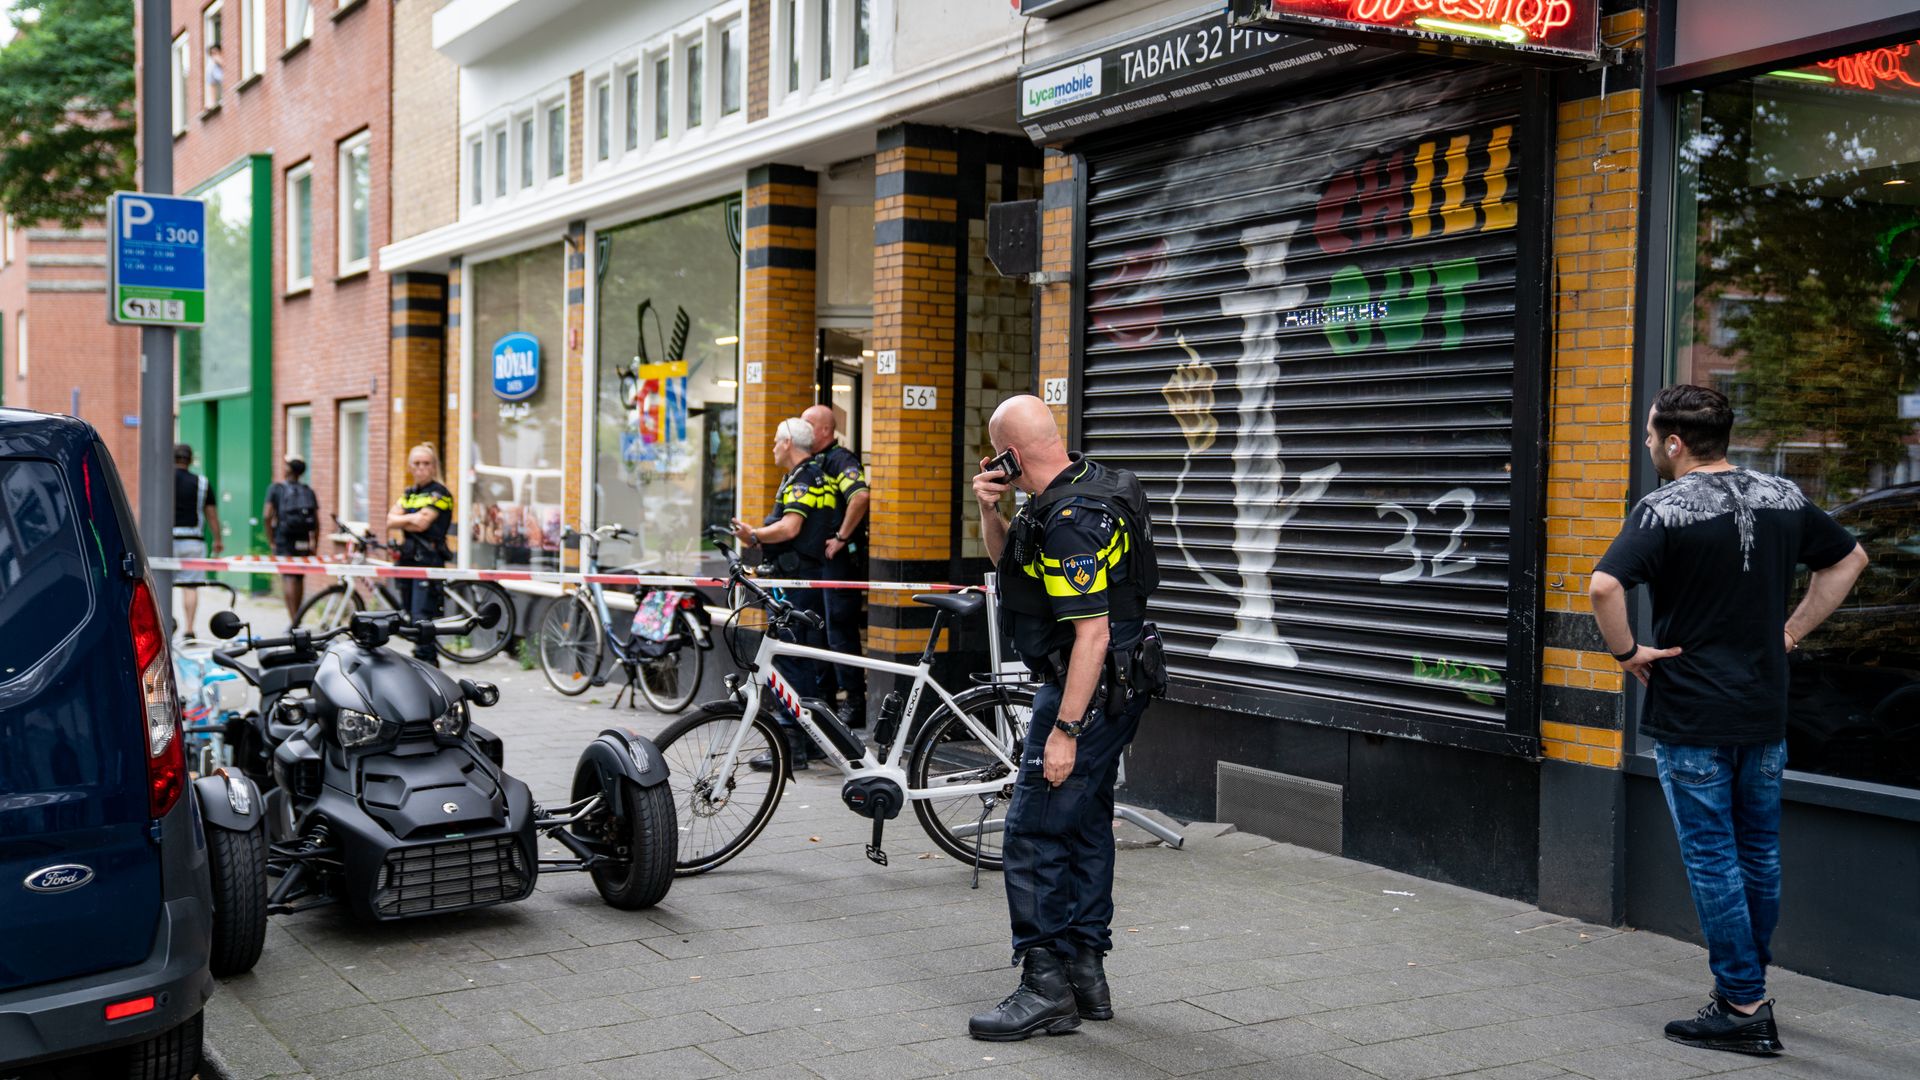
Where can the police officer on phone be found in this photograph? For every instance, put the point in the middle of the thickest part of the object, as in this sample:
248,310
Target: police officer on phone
1075,568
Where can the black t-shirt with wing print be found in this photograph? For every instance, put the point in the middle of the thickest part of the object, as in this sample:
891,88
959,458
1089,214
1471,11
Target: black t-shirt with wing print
1718,551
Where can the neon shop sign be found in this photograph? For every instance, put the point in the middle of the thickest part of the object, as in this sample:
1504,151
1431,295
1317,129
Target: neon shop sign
1556,27
1891,67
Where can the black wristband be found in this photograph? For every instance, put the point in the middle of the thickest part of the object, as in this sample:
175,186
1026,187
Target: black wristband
1623,657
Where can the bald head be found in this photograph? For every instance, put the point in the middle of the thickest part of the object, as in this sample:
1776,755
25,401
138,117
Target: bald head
1026,424
820,417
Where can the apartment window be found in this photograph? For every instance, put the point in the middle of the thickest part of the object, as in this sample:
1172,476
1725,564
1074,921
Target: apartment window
825,14
299,21
862,33
602,120
352,494
214,69
556,141
792,24
732,63
6,239
253,39
477,170
182,70
526,152
696,74
300,227
500,162
633,109
662,98
300,433
20,345
356,202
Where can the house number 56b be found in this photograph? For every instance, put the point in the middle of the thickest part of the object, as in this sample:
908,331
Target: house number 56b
920,397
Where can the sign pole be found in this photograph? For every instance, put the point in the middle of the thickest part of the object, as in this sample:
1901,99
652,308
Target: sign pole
156,342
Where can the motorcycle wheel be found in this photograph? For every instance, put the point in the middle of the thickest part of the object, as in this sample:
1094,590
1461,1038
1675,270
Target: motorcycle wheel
670,682
650,834
237,862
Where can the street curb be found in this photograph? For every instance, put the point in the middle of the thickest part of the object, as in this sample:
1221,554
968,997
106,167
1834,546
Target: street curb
212,1065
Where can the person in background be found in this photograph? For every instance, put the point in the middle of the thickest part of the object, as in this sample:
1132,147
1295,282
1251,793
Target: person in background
194,513
292,517
423,515
1717,546
846,555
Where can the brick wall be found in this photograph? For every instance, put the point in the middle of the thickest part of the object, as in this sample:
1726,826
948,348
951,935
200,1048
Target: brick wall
777,321
759,58
1593,434
576,126
417,362
426,120
999,340
1056,256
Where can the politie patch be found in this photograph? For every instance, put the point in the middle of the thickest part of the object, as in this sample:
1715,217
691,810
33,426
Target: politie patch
1081,571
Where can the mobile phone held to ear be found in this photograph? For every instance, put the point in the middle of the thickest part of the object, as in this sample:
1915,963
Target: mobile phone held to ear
1006,464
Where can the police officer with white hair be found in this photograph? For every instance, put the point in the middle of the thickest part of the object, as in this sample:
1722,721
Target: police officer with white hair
793,541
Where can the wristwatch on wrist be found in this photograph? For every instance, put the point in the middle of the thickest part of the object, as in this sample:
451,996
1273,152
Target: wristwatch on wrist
1623,657
1072,727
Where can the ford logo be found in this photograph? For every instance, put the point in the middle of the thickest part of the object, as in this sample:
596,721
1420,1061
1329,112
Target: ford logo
58,879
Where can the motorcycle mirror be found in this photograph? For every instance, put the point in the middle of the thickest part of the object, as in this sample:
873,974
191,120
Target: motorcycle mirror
226,624
491,615
484,694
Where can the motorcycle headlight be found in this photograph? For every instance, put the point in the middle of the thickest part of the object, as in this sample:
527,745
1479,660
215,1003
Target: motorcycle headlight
356,728
452,723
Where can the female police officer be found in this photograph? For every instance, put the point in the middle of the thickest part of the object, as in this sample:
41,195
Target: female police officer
1071,596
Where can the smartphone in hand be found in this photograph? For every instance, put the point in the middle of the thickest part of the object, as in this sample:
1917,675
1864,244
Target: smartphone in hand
1006,464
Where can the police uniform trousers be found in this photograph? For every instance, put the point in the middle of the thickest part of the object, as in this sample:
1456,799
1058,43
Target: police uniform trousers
844,608
1059,840
424,600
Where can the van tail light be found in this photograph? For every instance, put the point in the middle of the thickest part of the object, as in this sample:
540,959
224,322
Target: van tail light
166,757
120,1010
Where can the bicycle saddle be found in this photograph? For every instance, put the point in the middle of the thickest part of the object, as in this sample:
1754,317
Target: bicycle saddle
959,605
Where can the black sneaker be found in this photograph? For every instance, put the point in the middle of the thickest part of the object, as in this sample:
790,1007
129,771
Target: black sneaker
1718,1027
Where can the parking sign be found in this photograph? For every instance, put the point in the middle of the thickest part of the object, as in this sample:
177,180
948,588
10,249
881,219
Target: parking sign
158,260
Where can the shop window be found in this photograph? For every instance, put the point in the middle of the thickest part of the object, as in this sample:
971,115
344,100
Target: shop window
556,141
511,516
732,67
696,75
1797,221
253,39
500,163
352,495
602,120
182,71
299,22
213,68
526,152
356,201
662,97
476,171
300,227
667,339
631,113
299,442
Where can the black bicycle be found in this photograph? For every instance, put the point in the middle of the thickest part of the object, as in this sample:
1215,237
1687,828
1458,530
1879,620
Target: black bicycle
333,606
663,654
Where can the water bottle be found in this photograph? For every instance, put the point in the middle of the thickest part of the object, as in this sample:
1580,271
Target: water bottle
890,708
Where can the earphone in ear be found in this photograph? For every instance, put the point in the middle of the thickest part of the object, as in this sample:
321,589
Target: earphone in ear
1673,449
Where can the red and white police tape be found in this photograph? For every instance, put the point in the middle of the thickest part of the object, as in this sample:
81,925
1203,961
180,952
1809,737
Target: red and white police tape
312,564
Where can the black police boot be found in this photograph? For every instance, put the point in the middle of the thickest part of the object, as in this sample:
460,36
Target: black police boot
1088,976
1718,1027
1044,1002
854,713
796,749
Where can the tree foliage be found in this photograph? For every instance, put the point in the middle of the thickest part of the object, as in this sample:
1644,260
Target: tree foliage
67,109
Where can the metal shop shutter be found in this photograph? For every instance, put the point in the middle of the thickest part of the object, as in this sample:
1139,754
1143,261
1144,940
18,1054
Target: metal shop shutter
1299,332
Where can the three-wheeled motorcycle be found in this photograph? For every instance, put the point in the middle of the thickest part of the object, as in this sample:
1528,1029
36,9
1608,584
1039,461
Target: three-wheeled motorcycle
387,797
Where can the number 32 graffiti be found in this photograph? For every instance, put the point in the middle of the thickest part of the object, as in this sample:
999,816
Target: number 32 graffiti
1442,562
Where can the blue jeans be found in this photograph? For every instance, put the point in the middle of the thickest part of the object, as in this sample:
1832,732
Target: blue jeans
1726,811
1059,840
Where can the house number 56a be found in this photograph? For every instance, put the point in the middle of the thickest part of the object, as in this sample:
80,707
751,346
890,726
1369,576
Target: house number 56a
920,397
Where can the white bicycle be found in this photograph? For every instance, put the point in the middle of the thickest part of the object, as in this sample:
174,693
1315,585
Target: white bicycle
958,773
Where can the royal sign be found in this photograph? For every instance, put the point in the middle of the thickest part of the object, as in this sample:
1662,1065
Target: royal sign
516,367
1569,28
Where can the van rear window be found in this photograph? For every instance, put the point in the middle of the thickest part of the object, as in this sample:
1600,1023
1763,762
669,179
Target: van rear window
45,588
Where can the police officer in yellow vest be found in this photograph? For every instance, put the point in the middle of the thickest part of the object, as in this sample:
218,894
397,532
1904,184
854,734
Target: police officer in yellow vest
1073,594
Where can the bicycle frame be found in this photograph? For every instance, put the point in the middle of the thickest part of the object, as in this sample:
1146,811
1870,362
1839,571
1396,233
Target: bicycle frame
766,676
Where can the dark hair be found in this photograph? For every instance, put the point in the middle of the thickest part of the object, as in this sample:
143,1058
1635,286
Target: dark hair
296,468
182,454
1700,416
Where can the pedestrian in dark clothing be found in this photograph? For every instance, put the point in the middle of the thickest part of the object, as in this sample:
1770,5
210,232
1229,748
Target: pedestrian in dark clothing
423,515
195,517
846,555
1717,547
1066,585
292,518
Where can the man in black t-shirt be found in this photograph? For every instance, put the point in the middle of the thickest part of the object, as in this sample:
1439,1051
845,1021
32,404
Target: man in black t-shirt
195,516
846,554
423,515
1717,548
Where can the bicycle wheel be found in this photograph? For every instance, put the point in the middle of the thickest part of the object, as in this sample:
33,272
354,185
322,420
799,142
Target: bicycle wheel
670,682
570,645
720,815
328,609
466,599
948,752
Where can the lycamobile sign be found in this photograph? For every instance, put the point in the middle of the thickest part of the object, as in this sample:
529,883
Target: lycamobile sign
1062,87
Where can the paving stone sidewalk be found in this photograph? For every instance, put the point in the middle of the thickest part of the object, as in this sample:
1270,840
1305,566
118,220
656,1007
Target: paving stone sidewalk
1236,958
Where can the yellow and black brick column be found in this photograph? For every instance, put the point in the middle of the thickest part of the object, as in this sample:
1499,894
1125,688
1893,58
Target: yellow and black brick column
1593,435
1057,320
574,395
417,349
777,325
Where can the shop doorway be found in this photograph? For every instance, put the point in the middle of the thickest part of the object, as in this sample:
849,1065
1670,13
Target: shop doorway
840,381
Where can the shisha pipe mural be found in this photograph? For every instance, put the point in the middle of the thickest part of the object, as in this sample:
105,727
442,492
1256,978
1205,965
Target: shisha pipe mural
656,397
